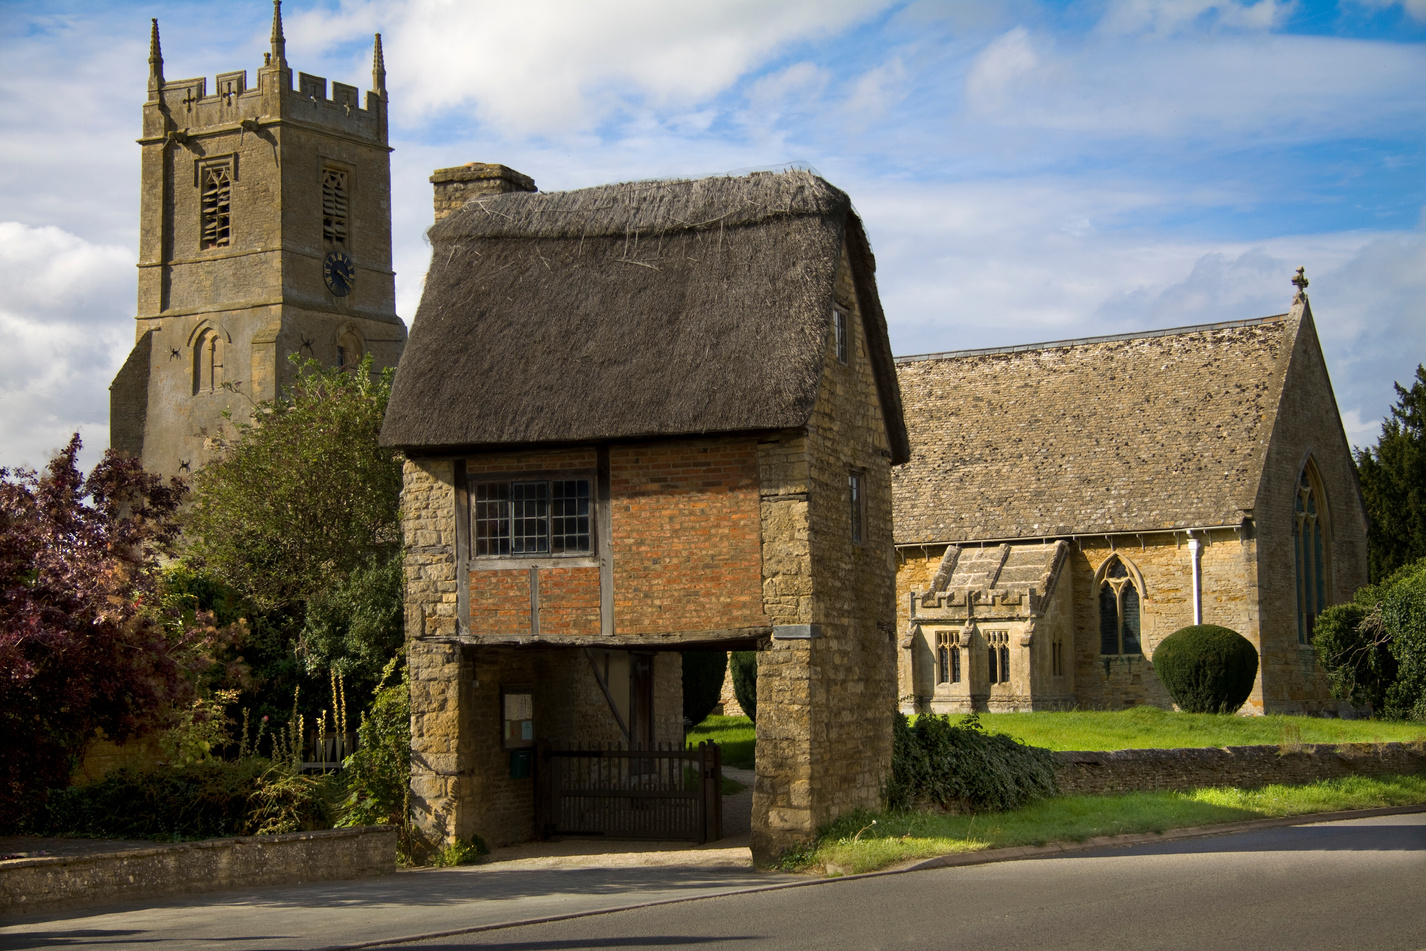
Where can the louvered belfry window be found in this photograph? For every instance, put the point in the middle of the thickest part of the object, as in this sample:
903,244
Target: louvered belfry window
217,185
335,205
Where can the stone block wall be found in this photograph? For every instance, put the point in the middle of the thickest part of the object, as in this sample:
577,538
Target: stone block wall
1307,427
1246,767
53,883
825,702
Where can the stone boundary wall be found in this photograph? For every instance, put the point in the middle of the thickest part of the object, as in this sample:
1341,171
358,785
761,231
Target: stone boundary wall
1090,773
52,883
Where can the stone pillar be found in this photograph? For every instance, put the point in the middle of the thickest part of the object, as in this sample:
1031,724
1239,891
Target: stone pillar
456,186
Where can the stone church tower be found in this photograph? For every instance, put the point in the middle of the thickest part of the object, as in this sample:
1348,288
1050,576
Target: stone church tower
265,231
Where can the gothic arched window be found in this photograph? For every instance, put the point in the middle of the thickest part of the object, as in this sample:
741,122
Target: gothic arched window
207,362
349,350
1310,545
1118,611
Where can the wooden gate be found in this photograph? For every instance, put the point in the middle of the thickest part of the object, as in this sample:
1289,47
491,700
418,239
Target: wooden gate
662,793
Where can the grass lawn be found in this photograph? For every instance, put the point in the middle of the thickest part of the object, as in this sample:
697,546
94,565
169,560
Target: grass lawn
1147,728
866,842
733,734
1142,728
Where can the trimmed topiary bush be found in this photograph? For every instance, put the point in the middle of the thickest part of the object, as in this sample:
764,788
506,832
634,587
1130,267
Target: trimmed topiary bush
744,666
1207,668
702,683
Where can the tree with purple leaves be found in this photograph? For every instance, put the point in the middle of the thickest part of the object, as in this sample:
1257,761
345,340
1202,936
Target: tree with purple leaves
85,643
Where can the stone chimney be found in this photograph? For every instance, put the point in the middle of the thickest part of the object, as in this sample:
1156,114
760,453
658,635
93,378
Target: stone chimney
456,186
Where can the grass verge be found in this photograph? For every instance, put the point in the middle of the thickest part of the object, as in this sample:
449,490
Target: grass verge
734,734
865,842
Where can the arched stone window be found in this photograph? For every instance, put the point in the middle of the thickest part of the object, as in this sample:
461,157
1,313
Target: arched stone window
207,360
1310,544
948,659
349,350
1119,608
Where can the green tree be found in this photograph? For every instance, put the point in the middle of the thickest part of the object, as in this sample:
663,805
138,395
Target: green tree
1374,647
302,496
1393,479
298,514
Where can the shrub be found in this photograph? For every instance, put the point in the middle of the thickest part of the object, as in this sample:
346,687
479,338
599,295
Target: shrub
378,774
1207,668
744,665
199,800
702,683
960,765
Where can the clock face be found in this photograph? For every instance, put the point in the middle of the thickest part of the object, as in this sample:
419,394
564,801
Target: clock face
339,273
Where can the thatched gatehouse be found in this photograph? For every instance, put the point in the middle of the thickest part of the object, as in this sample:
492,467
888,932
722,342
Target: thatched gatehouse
639,419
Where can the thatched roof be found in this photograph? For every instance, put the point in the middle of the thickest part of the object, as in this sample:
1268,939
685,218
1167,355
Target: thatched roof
1129,433
642,309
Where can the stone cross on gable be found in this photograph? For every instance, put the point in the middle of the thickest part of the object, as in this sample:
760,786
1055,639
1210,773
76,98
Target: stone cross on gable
1300,282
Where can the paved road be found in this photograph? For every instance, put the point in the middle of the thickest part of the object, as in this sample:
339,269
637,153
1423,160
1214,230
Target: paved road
1357,884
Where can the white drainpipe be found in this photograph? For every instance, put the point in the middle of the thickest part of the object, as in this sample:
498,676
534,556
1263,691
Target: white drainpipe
1193,553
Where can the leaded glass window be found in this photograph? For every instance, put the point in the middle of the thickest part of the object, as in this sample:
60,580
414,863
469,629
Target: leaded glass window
535,517
948,659
1119,624
1309,548
839,329
858,499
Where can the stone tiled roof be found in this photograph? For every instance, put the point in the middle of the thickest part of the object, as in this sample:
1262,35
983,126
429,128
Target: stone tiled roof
1112,434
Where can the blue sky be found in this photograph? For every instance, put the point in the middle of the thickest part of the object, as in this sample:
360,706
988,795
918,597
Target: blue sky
1027,171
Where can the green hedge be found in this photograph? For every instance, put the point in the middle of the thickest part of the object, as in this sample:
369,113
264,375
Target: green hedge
960,765
702,683
744,666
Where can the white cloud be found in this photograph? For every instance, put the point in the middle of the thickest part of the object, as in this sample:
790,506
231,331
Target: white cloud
64,337
1264,87
1164,17
552,66
1416,9
1001,66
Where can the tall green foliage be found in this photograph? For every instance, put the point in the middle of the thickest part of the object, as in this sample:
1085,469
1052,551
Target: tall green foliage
378,774
1393,479
303,496
1374,647
298,517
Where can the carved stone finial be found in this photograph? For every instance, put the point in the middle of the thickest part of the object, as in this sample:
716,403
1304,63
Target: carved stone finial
155,59
378,68
279,42
1300,282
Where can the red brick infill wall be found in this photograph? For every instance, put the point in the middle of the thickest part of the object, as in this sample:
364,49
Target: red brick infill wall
1241,766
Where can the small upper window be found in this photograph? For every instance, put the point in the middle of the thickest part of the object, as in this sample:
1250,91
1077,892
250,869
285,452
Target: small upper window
839,329
858,498
216,181
334,207
1309,552
532,517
